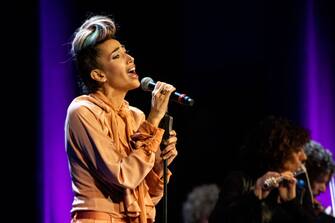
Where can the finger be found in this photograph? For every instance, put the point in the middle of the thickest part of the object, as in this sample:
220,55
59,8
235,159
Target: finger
293,181
171,140
168,89
287,173
158,87
163,92
272,174
171,155
164,89
288,177
167,149
173,133
258,193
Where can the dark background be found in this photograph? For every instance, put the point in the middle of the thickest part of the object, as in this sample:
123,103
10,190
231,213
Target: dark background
240,60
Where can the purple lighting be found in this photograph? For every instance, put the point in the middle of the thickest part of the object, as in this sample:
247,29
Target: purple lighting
318,93
56,88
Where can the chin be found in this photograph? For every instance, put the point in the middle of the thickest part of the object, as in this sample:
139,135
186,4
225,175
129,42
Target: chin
138,84
135,86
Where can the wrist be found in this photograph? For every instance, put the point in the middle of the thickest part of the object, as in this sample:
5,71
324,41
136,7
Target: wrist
153,120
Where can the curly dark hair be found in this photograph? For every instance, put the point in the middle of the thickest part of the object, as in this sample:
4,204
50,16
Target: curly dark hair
319,160
271,143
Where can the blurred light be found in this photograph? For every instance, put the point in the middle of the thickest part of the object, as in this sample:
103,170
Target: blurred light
56,89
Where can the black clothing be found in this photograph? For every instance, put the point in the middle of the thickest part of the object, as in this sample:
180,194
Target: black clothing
325,218
238,204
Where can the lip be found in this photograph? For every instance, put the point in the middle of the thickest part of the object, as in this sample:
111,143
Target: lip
133,75
132,69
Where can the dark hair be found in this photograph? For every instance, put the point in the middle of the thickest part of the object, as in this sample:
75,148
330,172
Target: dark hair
89,35
319,160
271,143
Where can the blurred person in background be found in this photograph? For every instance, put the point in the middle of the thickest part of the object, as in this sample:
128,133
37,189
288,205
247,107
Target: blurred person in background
320,167
262,188
200,203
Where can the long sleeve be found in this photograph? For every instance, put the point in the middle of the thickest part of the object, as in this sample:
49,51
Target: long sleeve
111,152
86,136
156,185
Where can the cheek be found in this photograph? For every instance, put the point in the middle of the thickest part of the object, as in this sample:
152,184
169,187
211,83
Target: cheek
111,68
114,65
297,160
293,165
288,166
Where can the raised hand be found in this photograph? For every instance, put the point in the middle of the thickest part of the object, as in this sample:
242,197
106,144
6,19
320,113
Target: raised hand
159,102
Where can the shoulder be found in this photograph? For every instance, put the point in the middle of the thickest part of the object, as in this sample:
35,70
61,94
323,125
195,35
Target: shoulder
82,106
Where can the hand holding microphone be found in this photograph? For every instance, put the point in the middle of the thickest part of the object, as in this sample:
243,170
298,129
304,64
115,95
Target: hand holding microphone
148,84
159,102
161,93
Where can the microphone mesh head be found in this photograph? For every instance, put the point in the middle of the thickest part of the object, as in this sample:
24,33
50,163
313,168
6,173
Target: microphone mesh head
145,83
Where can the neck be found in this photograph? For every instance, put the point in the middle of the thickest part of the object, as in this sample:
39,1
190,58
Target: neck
114,96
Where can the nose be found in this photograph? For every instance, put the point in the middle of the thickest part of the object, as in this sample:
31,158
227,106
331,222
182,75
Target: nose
302,156
323,188
130,58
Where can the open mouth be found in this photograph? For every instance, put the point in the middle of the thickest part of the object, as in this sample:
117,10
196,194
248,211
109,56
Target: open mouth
132,72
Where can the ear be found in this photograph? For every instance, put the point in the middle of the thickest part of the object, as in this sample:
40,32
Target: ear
98,75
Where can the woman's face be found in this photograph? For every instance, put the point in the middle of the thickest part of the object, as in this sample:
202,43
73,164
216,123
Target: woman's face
117,66
319,185
294,162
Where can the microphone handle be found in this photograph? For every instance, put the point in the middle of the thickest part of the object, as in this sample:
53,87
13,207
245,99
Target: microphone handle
149,85
180,98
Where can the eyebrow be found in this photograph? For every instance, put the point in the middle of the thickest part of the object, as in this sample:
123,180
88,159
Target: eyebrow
116,49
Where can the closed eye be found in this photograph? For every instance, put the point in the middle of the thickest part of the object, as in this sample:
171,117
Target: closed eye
116,56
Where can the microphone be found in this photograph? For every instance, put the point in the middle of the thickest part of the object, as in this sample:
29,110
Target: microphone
148,84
